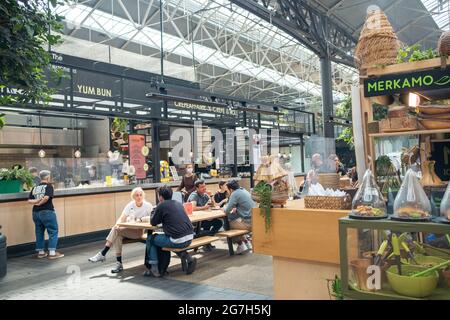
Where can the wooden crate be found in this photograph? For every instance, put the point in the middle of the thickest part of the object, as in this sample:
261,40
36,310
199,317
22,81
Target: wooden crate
398,124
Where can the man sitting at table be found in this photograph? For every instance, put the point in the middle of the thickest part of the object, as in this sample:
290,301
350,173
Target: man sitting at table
201,201
178,231
239,213
136,209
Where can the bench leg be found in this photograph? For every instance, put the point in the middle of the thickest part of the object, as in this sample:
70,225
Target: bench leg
230,246
183,258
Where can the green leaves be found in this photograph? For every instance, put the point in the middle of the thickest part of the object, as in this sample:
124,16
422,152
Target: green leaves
17,173
24,36
414,53
264,192
443,81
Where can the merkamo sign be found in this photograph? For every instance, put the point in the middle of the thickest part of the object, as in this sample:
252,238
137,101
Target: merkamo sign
416,81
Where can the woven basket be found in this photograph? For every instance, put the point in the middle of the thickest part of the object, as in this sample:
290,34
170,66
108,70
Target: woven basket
277,197
444,44
329,180
378,43
330,203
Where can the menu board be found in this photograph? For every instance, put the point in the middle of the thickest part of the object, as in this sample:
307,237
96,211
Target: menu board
137,159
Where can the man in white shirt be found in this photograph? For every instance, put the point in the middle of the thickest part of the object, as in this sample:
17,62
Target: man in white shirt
135,210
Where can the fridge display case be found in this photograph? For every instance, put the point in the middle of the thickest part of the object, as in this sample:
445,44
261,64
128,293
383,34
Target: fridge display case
385,259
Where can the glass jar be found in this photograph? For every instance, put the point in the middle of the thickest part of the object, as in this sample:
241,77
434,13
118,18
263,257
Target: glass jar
411,202
368,202
445,204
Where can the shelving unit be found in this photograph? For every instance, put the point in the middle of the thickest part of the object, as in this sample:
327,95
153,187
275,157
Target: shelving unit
403,133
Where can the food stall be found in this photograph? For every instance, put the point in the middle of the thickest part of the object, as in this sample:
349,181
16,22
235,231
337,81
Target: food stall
402,251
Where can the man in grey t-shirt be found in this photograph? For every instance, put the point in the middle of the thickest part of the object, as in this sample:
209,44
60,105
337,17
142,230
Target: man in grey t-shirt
201,201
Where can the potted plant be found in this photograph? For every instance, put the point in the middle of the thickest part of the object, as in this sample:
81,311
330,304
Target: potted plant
12,180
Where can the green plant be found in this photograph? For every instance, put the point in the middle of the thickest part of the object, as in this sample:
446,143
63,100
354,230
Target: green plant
264,191
24,59
17,173
336,288
119,124
414,53
2,120
344,110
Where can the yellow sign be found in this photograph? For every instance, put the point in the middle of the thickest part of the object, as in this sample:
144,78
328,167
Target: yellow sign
145,151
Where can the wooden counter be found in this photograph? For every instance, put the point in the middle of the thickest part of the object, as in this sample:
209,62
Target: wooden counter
77,214
304,244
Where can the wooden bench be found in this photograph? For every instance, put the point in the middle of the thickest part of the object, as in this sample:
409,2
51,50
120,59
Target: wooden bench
197,242
232,233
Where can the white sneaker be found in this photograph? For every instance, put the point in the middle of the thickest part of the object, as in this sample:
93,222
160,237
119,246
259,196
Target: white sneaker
249,246
98,257
241,248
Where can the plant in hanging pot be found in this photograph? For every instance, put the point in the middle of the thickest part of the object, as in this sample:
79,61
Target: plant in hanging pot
262,193
12,180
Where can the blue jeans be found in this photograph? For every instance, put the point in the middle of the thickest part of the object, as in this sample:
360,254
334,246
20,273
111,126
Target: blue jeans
45,219
163,241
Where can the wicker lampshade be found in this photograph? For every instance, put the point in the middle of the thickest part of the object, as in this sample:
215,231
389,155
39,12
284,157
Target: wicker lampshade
444,44
269,169
378,43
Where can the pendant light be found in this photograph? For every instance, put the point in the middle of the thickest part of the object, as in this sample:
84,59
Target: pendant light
41,152
77,153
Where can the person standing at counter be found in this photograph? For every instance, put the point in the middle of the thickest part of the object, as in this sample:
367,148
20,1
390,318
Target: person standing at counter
34,172
188,182
44,216
239,213
136,209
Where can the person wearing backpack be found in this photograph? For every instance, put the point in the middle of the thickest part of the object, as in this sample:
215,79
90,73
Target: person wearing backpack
178,232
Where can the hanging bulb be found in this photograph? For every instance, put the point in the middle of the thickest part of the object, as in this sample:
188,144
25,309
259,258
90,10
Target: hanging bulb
77,153
41,153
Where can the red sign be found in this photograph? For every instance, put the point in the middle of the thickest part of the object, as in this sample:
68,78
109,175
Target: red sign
137,159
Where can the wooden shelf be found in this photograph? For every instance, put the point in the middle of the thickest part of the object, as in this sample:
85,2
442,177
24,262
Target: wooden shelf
406,67
406,133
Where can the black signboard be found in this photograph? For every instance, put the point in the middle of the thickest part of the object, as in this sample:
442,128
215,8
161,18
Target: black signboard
95,85
416,81
441,154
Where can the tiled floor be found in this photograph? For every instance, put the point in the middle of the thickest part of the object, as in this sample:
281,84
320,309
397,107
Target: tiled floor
217,277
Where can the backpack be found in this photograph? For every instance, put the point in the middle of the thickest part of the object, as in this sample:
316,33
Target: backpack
163,261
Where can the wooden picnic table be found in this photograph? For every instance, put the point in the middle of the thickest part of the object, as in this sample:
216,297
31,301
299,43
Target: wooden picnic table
195,217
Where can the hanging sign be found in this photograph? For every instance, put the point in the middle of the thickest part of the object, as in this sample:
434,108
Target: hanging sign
441,154
137,159
415,81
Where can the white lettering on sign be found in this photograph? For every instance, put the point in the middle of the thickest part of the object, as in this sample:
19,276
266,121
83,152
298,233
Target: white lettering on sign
374,280
205,108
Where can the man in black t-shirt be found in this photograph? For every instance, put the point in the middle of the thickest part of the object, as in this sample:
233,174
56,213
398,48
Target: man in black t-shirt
44,217
177,227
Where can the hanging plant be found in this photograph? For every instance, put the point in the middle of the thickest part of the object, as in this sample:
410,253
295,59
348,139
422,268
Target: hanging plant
264,192
119,125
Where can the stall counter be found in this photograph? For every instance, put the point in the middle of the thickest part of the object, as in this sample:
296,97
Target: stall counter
304,244
80,211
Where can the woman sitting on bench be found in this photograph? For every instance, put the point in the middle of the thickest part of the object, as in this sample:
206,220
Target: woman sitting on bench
134,210
239,213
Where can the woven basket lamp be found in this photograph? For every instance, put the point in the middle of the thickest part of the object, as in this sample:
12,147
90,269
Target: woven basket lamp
378,43
444,44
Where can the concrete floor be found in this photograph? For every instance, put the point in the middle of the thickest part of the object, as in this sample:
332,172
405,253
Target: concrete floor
217,277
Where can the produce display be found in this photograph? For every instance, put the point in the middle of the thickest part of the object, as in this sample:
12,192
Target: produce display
409,212
369,211
411,202
368,202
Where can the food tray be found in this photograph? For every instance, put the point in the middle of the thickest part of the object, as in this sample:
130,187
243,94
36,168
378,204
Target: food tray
358,217
406,219
442,220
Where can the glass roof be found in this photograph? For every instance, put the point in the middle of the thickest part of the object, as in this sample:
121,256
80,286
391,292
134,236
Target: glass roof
440,11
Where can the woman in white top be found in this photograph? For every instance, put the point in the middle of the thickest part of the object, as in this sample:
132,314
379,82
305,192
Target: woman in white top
136,209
